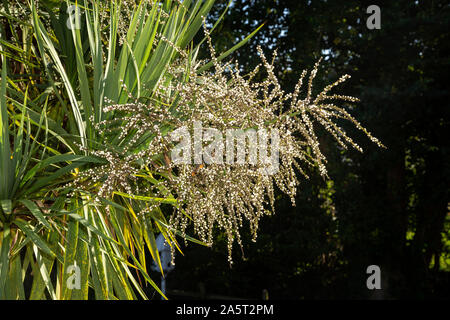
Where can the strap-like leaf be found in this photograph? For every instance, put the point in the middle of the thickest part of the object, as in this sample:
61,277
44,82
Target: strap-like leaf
35,238
34,209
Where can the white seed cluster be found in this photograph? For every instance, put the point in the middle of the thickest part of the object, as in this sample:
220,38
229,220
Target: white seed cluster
219,195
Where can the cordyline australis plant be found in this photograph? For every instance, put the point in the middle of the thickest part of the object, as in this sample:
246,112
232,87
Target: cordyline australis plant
90,98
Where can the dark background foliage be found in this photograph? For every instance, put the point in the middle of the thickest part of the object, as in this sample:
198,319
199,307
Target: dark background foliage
387,207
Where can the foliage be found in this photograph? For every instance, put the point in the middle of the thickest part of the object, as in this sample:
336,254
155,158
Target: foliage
53,95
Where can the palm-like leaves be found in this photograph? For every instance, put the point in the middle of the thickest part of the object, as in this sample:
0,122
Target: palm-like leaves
51,103
48,135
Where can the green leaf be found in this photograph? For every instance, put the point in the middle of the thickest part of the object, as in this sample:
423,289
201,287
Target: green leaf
14,285
35,238
6,206
69,255
6,171
88,225
83,263
45,266
146,198
149,237
42,37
